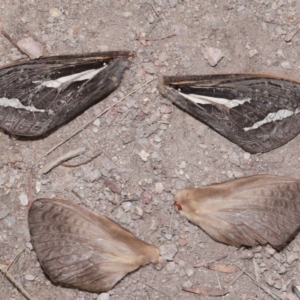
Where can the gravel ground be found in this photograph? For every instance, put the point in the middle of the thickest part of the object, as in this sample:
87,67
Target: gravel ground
149,148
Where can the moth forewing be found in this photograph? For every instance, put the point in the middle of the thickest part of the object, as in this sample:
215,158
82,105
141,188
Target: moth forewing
258,112
37,96
258,209
80,249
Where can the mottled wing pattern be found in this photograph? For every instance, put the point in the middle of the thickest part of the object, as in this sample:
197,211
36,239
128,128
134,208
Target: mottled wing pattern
258,209
258,112
79,249
39,95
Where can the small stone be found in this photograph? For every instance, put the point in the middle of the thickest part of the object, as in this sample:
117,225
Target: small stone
229,174
139,211
247,155
38,186
168,236
126,206
4,212
29,277
113,186
286,65
127,14
187,284
107,163
103,296
31,47
167,252
55,12
189,272
144,155
97,122
291,296
212,55
93,175
171,266
270,250
291,258
252,52
150,68
157,138
173,3
23,199
159,187
29,246
182,165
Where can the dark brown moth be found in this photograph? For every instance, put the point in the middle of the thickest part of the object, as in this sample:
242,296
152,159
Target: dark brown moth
258,112
80,249
39,95
253,210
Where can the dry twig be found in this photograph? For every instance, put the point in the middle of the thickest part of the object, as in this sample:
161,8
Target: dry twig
56,162
14,282
98,153
266,289
11,40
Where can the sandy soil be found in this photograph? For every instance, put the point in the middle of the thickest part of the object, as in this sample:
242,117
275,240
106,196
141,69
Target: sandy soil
255,36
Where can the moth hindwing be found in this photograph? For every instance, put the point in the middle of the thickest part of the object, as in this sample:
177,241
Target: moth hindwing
247,211
80,249
258,112
39,95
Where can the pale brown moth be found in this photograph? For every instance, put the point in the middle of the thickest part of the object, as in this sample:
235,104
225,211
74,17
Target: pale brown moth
258,112
80,249
39,95
253,210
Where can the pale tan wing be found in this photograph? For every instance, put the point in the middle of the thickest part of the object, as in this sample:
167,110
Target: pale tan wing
258,209
80,249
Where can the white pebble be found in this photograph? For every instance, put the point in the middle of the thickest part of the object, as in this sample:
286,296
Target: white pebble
182,165
55,12
212,55
97,122
286,65
23,199
144,155
247,155
29,277
159,187
103,296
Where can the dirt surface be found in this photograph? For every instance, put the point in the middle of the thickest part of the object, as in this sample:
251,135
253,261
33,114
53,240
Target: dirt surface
178,151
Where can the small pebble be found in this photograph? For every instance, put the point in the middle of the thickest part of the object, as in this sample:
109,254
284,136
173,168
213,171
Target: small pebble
23,199
97,122
167,252
31,47
29,277
159,187
212,55
182,165
127,14
144,155
291,258
187,284
103,296
252,52
286,65
55,12
171,266
126,206
246,155
190,272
